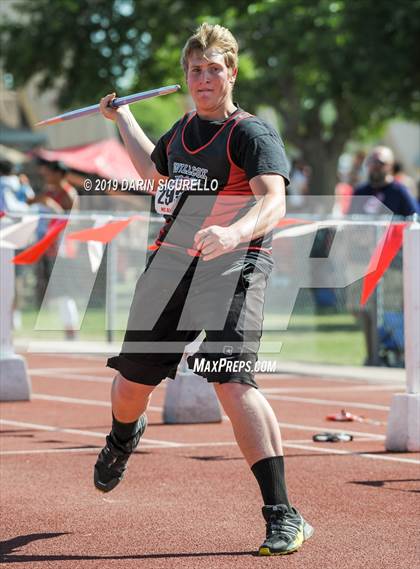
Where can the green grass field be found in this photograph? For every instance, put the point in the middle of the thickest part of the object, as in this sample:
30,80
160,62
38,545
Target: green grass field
320,338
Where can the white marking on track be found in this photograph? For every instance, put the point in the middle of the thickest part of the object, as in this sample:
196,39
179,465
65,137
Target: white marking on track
317,429
145,447
326,402
74,377
357,387
373,436
76,400
170,444
63,399
311,448
40,427
353,453
58,370
49,451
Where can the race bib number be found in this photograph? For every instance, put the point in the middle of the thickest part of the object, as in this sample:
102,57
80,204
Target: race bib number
168,194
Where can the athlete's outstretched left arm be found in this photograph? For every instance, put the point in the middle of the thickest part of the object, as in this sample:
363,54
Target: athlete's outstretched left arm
269,189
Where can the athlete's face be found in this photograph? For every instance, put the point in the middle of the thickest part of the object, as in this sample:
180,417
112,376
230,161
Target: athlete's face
210,81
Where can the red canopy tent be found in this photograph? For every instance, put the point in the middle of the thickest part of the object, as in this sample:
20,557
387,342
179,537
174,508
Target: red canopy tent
105,159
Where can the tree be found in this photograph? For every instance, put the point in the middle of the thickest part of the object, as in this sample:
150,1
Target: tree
333,68
328,67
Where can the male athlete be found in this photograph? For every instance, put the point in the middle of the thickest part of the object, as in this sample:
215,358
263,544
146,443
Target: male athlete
220,176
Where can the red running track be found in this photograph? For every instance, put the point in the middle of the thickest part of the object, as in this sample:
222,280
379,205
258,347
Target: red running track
189,500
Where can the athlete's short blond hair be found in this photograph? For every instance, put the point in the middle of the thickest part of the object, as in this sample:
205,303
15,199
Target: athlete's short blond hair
212,36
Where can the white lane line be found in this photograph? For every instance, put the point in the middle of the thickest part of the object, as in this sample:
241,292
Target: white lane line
353,388
353,453
48,451
76,400
288,443
62,399
313,429
318,429
46,397
326,402
58,370
74,377
170,444
145,447
79,432
94,402
291,445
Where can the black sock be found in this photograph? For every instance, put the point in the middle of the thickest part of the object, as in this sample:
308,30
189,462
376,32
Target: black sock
269,473
124,431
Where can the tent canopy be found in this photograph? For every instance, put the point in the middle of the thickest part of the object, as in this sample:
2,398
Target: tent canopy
105,159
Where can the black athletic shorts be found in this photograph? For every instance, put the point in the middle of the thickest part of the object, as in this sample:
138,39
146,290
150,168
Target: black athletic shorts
176,298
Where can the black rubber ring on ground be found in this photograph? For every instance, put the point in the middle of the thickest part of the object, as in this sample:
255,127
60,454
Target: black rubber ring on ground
332,438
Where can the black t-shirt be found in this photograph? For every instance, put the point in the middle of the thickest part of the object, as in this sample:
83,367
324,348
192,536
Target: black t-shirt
197,147
255,146
393,195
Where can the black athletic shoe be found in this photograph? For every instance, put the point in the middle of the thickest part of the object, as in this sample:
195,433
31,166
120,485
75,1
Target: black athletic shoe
112,460
286,530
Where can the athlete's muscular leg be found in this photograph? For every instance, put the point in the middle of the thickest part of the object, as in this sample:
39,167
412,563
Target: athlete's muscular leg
129,399
254,423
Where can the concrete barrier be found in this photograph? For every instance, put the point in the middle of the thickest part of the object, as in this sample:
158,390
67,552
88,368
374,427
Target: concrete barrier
190,398
14,381
403,430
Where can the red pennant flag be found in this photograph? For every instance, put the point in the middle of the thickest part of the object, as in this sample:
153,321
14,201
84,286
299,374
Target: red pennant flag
35,252
104,233
381,258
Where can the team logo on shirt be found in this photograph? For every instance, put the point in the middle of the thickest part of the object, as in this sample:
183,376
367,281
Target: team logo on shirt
188,170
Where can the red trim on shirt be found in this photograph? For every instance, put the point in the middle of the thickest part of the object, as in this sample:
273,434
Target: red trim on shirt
230,119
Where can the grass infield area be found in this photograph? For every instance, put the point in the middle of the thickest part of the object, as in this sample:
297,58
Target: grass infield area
321,338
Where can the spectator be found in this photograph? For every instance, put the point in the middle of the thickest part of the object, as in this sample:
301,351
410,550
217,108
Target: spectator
15,191
59,196
381,187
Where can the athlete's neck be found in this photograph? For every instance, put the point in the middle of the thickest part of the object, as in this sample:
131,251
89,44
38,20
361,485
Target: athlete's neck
217,114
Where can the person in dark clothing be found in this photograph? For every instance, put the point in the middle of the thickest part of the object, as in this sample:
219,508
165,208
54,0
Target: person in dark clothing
381,187
220,176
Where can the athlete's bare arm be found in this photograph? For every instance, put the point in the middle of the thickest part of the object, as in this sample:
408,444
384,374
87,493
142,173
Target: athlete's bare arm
269,189
138,145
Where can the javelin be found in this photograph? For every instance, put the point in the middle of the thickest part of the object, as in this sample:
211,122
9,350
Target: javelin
118,102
